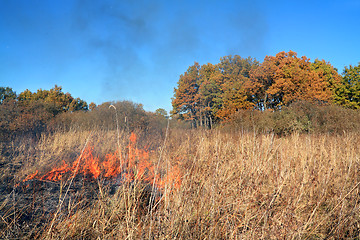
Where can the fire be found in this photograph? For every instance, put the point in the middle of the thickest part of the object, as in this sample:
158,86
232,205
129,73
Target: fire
134,165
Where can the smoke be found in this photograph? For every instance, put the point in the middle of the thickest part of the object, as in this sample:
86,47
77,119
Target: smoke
252,29
141,47
111,30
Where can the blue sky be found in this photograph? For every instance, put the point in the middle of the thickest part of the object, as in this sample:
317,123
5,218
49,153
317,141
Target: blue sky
112,50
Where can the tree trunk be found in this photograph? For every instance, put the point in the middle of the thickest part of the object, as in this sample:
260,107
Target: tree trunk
265,99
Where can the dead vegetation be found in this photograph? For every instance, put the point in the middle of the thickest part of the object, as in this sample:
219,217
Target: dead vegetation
237,185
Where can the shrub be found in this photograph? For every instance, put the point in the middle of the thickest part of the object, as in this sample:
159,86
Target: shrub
303,117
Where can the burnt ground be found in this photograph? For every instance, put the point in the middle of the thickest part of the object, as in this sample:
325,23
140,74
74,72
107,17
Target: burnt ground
27,209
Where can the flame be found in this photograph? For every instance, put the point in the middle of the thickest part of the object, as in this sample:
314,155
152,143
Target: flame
134,165
31,176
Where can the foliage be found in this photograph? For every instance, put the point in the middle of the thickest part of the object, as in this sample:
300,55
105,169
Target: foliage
235,74
285,78
301,117
186,99
210,93
92,106
286,87
16,119
32,113
108,115
120,115
161,112
348,93
6,94
62,102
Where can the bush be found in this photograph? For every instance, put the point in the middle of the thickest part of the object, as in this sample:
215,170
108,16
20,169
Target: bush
17,120
303,117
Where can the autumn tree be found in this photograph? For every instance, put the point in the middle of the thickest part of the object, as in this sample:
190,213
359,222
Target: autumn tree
161,112
33,113
55,100
286,78
186,95
347,93
235,72
261,79
92,106
210,93
329,76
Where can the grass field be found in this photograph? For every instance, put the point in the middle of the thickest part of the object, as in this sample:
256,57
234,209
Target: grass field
229,185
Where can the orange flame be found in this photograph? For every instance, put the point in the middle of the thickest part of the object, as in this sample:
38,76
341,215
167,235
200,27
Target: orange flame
135,167
31,176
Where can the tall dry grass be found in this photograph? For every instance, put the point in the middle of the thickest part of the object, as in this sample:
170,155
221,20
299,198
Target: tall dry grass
236,185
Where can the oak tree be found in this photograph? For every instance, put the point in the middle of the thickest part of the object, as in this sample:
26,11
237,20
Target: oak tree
235,72
286,78
186,95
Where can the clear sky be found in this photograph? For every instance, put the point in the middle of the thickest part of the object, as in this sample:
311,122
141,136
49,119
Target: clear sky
136,50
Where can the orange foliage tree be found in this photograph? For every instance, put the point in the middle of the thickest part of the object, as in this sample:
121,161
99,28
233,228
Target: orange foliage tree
286,78
210,92
235,96
186,100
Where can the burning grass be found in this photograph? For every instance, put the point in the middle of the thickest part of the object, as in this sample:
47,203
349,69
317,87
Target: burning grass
202,184
133,165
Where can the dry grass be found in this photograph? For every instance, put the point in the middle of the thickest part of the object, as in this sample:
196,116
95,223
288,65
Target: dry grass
234,186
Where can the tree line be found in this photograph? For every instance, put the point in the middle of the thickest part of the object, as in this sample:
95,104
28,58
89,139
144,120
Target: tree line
211,93
205,95
32,113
